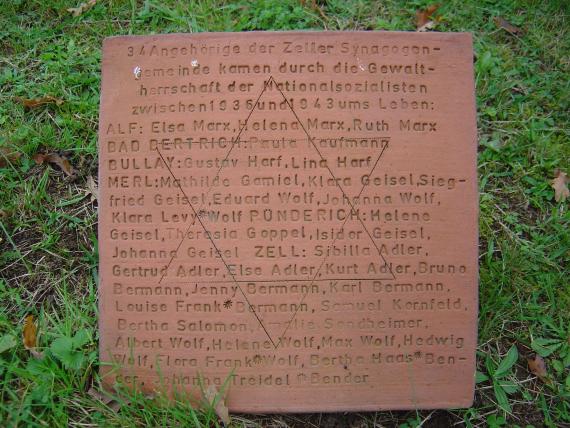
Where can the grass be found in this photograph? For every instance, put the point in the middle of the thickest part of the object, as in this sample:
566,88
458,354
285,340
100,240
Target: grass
48,260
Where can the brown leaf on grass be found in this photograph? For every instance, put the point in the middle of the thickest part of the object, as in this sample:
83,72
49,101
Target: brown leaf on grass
424,19
100,396
501,22
115,406
83,7
218,402
56,159
36,102
92,188
112,401
430,25
560,186
30,332
313,5
8,156
537,367
4,214
29,336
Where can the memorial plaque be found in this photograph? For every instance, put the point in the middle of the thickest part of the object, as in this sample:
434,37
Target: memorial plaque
295,213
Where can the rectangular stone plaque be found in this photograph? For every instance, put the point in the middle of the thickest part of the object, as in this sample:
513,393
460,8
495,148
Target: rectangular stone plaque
295,213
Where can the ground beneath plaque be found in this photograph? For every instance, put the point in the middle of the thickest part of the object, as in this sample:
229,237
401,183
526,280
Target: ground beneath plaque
49,104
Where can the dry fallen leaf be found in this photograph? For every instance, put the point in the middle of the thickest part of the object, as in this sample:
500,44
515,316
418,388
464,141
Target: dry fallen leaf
29,336
537,367
507,26
8,156
218,402
424,19
560,186
56,159
30,332
427,26
92,188
100,396
112,401
313,5
83,7
35,102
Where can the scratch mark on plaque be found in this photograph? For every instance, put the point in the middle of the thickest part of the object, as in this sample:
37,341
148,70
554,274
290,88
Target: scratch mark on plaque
352,210
197,217
198,213
332,244
234,141
218,252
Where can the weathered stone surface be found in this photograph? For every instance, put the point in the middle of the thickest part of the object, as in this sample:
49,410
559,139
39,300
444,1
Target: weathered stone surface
296,210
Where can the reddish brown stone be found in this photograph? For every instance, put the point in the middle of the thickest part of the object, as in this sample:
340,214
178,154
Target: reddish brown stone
298,209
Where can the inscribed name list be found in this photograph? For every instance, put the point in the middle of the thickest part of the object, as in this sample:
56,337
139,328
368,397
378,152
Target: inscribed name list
292,215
